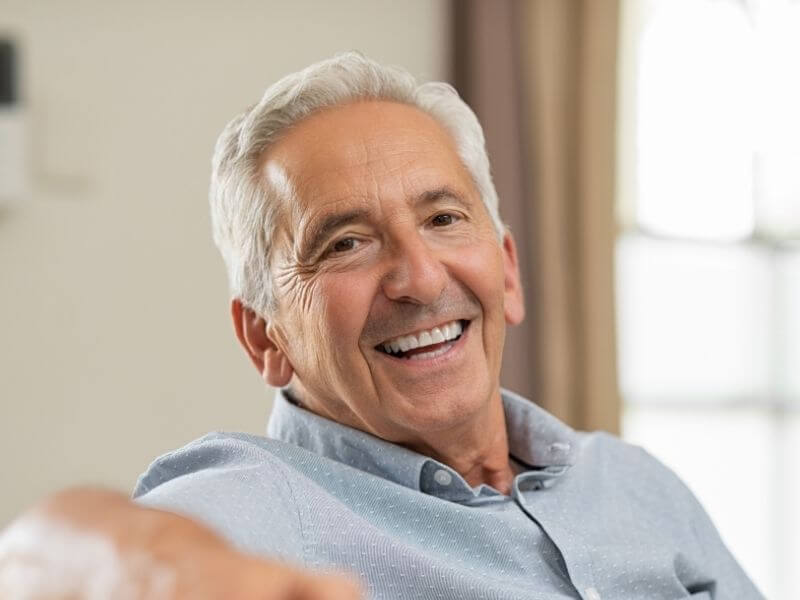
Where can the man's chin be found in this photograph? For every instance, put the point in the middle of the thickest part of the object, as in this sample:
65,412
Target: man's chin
437,408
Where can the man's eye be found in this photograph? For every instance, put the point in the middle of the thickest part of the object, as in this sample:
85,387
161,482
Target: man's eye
443,220
344,245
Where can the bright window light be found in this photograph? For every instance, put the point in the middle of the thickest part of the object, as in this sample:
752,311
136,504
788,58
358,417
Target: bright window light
787,316
708,270
695,131
789,545
777,47
693,320
778,193
778,118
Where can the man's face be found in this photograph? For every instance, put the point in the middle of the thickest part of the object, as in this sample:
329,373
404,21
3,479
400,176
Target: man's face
387,238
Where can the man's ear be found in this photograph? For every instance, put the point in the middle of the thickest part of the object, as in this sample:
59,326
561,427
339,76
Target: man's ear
514,299
266,354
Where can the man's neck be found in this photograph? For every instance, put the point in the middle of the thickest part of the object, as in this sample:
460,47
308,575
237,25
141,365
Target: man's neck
478,451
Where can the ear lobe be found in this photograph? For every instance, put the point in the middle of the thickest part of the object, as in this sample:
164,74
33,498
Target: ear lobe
514,299
253,334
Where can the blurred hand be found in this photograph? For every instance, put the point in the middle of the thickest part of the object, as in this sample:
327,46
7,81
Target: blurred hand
97,545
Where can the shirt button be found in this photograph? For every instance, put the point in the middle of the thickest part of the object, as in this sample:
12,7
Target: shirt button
442,477
592,594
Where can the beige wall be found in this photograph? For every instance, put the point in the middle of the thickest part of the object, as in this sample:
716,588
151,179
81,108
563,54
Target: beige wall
115,344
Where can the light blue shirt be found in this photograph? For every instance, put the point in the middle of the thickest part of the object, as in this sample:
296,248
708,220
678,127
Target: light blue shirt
589,517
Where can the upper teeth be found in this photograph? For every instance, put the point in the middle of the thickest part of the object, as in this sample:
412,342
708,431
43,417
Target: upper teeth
437,335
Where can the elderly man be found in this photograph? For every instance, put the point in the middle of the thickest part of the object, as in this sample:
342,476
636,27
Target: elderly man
372,281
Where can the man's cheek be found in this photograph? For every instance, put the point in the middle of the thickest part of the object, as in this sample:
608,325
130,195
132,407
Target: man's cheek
335,338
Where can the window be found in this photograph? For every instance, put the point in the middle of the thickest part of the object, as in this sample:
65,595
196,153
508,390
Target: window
708,262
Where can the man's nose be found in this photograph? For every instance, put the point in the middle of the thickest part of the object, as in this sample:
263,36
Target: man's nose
415,274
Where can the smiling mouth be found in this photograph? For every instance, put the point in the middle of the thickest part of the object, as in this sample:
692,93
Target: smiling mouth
425,344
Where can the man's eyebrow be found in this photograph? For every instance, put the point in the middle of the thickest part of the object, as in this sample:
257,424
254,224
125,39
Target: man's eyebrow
442,193
316,235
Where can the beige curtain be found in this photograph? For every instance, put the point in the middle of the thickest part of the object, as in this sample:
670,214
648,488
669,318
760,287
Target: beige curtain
541,75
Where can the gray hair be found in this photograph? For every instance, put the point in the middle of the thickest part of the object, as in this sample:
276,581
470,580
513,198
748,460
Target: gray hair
244,204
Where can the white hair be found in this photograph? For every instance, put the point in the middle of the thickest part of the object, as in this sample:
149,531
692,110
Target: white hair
244,204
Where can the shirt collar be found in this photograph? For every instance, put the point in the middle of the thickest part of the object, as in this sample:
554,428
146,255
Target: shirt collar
536,438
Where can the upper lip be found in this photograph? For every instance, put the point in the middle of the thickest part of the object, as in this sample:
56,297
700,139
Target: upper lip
423,327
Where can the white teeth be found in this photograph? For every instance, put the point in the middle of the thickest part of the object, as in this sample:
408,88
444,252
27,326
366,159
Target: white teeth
437,335
447,331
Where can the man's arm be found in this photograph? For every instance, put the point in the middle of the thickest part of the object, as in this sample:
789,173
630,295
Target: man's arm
89,543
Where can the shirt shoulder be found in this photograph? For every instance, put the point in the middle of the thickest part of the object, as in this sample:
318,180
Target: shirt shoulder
634,463
641,475
222,450
236,485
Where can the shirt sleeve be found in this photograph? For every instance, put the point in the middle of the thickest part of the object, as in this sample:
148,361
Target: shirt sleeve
236,488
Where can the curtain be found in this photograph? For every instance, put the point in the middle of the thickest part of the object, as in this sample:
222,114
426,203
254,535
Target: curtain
541,76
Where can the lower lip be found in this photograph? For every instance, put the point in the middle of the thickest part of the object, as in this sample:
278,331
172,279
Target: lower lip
453,350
